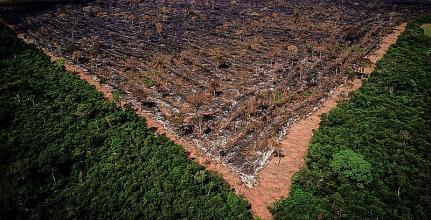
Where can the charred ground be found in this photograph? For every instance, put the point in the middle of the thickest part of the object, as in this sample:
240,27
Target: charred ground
230,76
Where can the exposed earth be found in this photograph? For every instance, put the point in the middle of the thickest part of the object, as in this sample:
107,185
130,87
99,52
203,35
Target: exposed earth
229,77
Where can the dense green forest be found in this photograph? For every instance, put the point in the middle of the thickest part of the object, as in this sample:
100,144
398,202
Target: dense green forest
66,152
371,156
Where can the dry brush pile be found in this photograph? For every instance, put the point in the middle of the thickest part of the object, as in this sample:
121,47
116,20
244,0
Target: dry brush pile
230,76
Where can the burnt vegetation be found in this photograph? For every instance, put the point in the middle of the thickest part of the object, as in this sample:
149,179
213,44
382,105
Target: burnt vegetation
230,76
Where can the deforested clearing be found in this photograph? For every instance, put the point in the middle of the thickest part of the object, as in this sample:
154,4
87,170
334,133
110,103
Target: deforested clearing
228,76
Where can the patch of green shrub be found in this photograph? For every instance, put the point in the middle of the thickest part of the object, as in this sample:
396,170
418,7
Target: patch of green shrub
352,166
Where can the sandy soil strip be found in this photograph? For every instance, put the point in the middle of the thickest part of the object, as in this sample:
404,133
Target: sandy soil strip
275,178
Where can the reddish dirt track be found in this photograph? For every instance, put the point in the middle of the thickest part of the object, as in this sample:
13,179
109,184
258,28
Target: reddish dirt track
274,180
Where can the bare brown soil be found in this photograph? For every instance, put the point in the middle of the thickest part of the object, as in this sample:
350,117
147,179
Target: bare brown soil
228,77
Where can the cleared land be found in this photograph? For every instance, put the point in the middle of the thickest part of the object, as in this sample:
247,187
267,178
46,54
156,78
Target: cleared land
228,76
